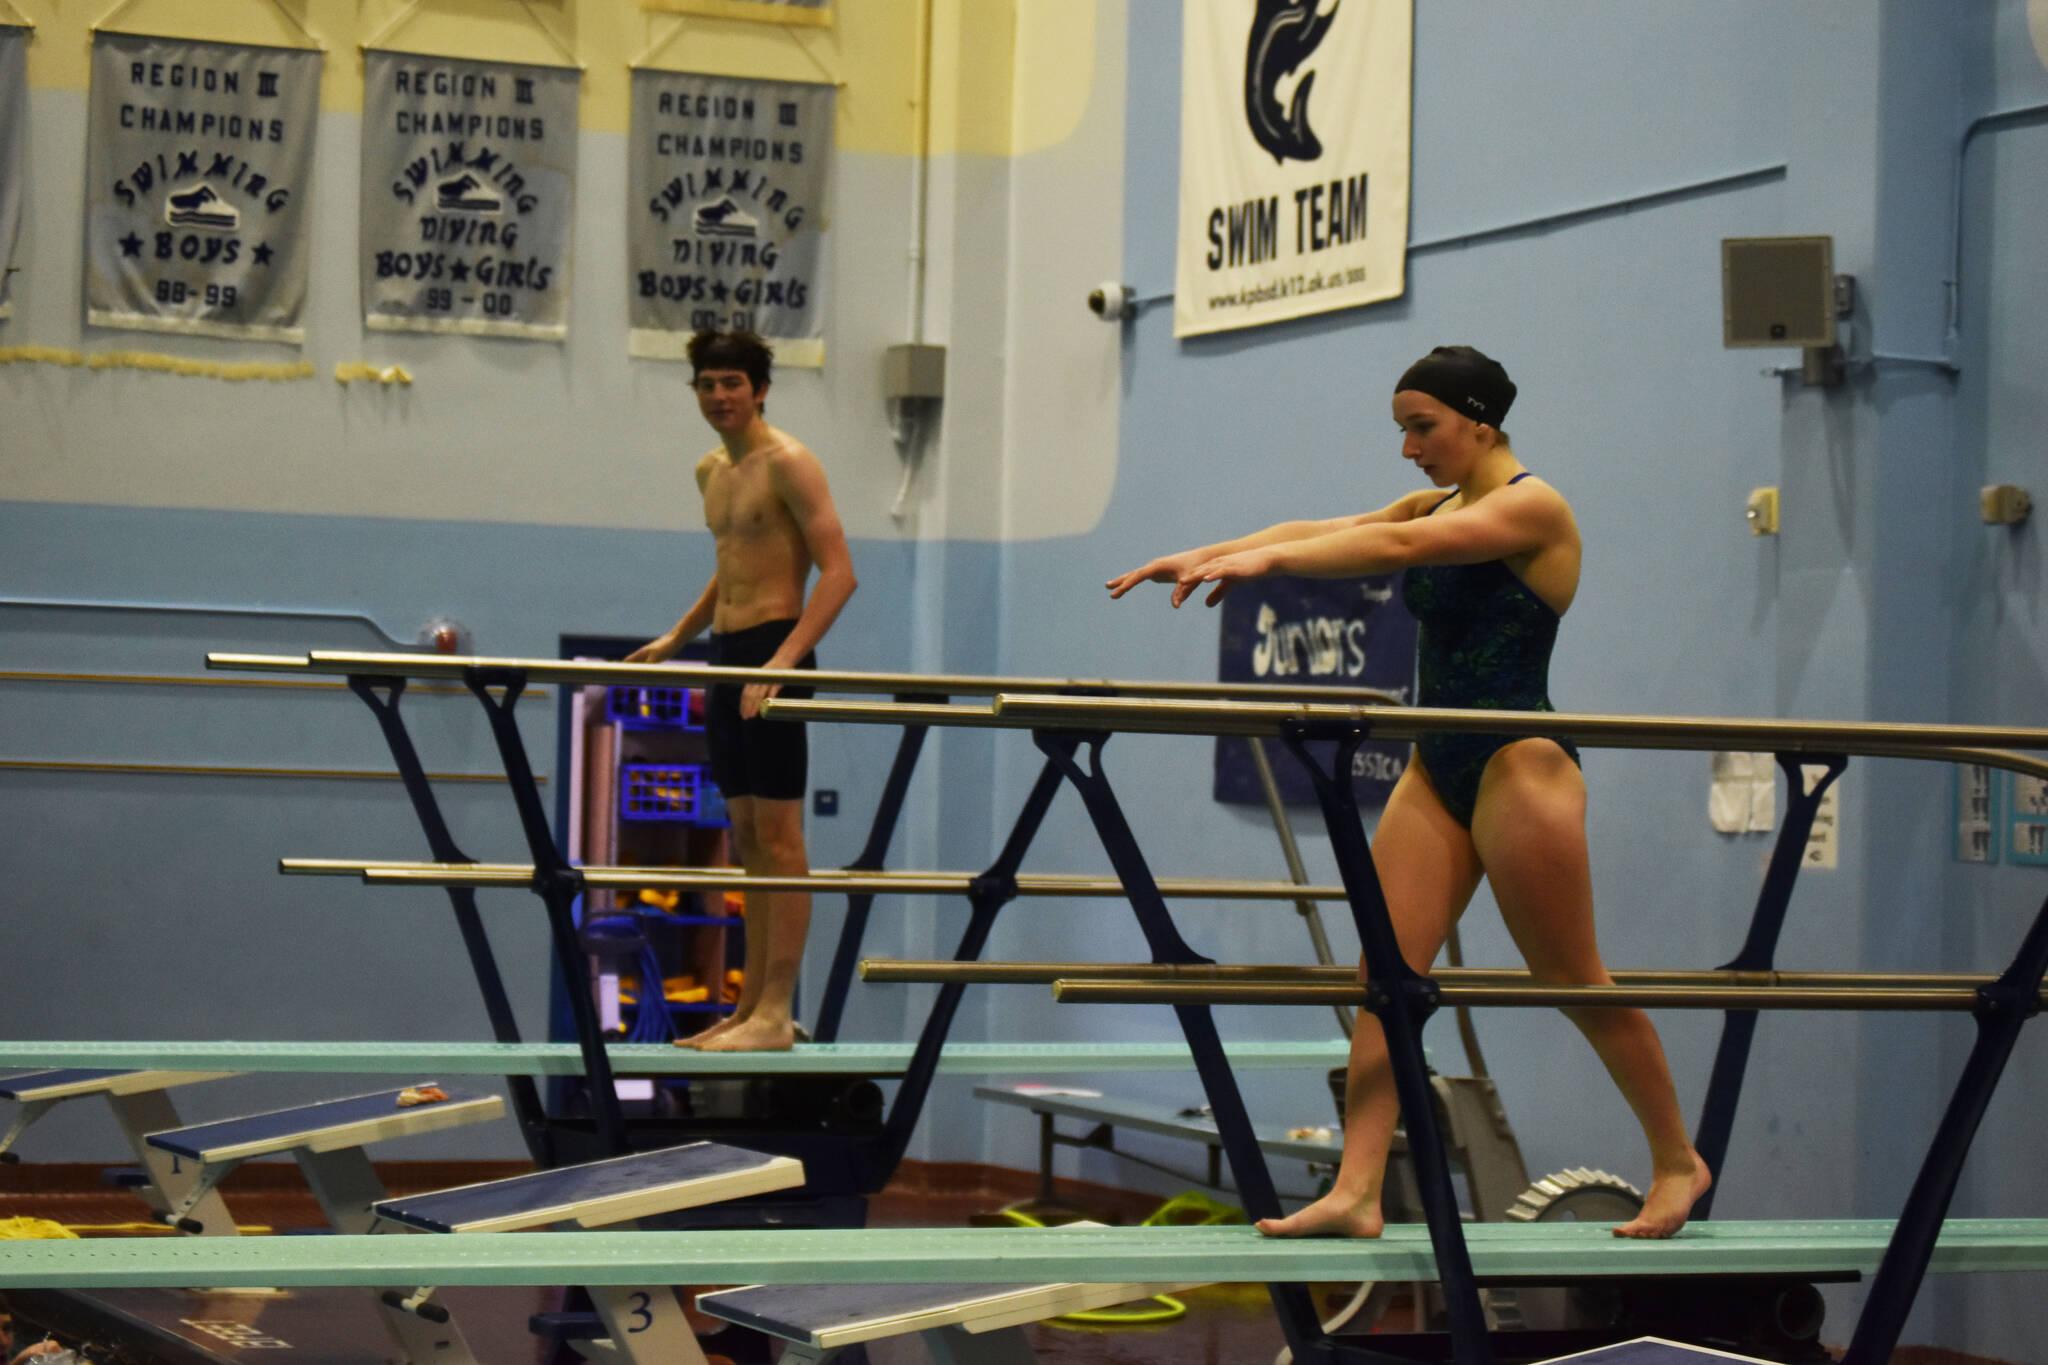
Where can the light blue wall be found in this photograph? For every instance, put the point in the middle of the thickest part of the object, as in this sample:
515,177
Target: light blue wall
144,900
1632,407
1997,664
149,906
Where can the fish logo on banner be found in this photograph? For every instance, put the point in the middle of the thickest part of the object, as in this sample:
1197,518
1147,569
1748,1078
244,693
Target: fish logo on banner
469,178
1277,219
1285,33
1316,632
13,150
198,165
726,201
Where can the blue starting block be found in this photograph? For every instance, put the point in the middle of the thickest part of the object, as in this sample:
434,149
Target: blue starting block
961,1324
327,1140
140,1108
644,1323
600,1193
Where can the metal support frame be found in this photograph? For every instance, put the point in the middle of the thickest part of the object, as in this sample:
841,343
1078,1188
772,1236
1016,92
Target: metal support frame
992,890
825,1028
558,885
1291,1302
2005,1006
526,1105
1402,1000
1311,914
1759,951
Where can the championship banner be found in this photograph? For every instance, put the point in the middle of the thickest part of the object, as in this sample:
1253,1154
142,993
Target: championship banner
13,151
1315,632
725,205
469,181
199,160
818,12
1293,159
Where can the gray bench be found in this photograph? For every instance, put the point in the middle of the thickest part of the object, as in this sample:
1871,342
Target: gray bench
1108,1115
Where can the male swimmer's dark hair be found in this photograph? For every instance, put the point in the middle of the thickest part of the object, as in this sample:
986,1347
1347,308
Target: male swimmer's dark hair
737,350
1466,381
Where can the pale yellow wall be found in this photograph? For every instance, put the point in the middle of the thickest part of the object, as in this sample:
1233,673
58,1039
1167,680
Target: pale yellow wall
1026,100
869,50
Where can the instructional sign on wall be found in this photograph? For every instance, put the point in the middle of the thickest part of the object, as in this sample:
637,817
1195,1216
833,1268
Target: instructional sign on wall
199,161
1742,797
1293,159
1976,809
1315,632
13,151
1824,842
2028,823
469,187
725,207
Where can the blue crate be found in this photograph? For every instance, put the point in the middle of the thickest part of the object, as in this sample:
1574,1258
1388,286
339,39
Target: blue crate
681,793
649,708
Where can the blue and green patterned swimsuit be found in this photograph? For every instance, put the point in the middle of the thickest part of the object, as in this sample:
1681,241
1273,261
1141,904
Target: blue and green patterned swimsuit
1485,643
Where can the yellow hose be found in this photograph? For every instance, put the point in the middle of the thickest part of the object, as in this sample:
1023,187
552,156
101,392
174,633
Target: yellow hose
1174,1211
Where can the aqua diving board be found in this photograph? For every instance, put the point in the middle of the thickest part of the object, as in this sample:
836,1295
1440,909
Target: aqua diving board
30,1087
327,1126
997,1255
599,1192
660,1059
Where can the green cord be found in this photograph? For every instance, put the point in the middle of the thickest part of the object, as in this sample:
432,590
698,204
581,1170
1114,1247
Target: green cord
1207,1211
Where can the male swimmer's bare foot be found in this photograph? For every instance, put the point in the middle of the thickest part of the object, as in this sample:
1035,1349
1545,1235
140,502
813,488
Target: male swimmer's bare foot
705,1035
752,1035
1669,1202
1334,1215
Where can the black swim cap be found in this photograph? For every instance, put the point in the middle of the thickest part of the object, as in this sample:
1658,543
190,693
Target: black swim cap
1463,380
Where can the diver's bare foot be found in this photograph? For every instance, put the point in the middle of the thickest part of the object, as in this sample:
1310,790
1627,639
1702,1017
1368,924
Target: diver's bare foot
705,1035
1334,1215
752,1035
1669,1203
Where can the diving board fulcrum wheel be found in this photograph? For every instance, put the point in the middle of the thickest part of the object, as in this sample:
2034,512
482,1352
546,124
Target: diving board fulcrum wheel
1579,1195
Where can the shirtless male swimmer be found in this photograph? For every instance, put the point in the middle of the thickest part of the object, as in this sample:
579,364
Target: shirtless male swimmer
771,515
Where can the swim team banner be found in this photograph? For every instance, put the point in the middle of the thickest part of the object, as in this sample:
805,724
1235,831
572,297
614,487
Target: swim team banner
1315,632
469,179
199,160
725,211
13,150
1293,159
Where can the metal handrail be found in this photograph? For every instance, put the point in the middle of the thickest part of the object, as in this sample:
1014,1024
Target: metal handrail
1962,999
906,883
1978,744
903,971
453,666
1166,707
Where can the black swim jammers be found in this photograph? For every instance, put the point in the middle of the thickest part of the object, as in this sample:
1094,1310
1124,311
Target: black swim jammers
758,757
